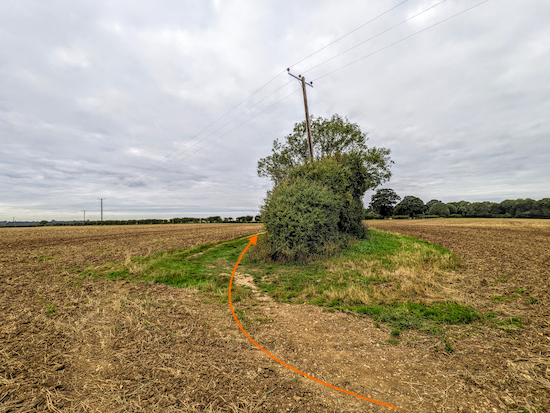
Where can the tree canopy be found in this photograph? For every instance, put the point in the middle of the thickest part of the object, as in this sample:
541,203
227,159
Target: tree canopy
330,137
410,205
438,208
346,177
432,202
383,201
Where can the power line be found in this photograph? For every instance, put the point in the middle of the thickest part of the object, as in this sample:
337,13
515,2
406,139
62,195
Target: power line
350,32
302,80
370,54
101,199
401,40
375,36
146,173
238,126
235,128
211,124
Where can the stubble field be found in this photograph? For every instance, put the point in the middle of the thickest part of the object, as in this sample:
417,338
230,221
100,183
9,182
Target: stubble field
70,341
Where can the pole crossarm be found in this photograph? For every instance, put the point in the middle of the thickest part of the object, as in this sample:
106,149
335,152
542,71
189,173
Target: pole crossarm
299,77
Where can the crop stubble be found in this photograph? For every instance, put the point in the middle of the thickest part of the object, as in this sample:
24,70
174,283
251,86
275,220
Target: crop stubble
73,343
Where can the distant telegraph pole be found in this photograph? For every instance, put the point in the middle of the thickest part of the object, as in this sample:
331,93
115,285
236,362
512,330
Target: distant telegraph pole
302,80
101,199
84,215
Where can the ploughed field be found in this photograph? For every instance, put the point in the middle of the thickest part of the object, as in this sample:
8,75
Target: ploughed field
73,341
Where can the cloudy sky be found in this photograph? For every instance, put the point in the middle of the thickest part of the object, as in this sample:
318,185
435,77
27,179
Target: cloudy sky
145,103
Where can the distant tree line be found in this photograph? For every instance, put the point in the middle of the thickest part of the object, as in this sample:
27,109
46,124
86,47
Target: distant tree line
150,221
216,219
385,203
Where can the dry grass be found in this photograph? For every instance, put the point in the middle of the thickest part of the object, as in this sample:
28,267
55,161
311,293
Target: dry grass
409,275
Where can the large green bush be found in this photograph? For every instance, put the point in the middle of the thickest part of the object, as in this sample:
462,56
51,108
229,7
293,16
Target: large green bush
301,217
343,175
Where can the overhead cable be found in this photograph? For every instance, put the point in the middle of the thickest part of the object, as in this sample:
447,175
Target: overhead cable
375,36
400,40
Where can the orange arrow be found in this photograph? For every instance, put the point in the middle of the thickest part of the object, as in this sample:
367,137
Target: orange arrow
253,240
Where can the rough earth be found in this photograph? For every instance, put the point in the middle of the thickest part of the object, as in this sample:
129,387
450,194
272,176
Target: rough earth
74,343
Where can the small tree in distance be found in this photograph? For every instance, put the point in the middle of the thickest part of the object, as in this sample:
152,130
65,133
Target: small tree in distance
383,201
432,202
411,206
440,209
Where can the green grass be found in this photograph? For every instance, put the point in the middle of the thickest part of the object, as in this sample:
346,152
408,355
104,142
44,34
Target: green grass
384,277
384,268
428,318
45,259
206,268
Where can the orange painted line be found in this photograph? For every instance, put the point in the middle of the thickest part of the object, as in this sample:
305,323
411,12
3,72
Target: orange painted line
253,240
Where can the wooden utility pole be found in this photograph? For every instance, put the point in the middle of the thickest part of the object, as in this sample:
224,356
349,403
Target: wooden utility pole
101,199
302,80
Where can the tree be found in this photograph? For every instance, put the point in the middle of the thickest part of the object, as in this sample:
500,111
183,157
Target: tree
44,222
462,208
330,137
544,207
524,205
431,202
343,169
439,208
383,201
452,208
480,209
410,205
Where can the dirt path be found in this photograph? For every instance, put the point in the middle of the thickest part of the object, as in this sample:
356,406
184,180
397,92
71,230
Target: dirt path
120,346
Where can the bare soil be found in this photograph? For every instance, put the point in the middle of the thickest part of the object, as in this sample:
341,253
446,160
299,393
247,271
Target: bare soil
73,343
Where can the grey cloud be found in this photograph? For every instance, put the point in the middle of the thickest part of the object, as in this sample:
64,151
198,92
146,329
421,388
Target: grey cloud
105,99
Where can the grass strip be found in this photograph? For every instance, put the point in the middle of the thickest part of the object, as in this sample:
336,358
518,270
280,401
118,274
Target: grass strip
205,267
386,277
422,317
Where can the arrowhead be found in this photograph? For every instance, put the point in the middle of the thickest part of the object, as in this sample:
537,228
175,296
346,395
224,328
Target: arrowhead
253,239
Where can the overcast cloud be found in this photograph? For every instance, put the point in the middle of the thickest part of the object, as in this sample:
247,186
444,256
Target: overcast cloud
110,99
